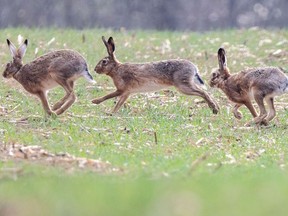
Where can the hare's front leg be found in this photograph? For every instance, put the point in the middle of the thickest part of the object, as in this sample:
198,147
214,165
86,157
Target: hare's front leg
106,97
122,99
237,114
252,110
45,104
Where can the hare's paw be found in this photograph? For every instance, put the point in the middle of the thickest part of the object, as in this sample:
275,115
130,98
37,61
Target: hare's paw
238,115
97,101
215,108
264,122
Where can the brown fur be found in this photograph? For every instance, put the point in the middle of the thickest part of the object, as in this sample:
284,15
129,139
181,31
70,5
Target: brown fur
60,67
134,78
262,84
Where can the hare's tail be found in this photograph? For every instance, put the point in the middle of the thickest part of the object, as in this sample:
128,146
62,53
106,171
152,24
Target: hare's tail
88,76
198,79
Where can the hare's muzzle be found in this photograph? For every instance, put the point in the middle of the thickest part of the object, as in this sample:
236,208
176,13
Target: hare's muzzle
97,69
5,75
213,79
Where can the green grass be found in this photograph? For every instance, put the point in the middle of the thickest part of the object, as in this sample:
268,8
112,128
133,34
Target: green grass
201,164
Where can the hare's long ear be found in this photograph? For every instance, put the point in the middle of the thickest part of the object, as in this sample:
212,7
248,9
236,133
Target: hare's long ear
222,59
109,45
22,49
12,48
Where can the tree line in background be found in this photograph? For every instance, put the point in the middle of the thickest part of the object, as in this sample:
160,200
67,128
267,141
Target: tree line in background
196,15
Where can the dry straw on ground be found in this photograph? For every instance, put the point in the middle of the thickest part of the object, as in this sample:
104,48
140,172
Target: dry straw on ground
38,155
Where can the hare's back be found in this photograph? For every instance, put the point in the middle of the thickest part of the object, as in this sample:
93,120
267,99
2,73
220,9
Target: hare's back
46,70
268,79
66,61
174,65
264,74
59,59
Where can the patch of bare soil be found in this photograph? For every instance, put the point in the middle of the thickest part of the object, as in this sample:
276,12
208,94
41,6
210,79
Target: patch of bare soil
37,155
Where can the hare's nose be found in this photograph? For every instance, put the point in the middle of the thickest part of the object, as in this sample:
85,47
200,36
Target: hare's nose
97,68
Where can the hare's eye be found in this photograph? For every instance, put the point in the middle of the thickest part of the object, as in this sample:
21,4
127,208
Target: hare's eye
214,74
104,61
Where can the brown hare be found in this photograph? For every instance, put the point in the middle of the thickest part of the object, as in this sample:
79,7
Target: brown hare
55,68
132,78
260,84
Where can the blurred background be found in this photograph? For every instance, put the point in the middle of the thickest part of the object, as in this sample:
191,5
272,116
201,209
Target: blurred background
196,15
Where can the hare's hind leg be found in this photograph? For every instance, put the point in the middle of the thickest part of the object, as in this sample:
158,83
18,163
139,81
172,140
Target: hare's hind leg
236,112
70,97
68,87
259,98
43,97
59,103
272,112
193,89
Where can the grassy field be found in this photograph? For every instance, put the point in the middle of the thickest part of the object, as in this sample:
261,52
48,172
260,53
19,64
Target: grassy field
163,154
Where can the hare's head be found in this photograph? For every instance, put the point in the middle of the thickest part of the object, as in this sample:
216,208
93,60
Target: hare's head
17,54
107,64
222,73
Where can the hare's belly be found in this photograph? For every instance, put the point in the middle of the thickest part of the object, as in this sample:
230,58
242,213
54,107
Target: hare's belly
149,87
49,84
